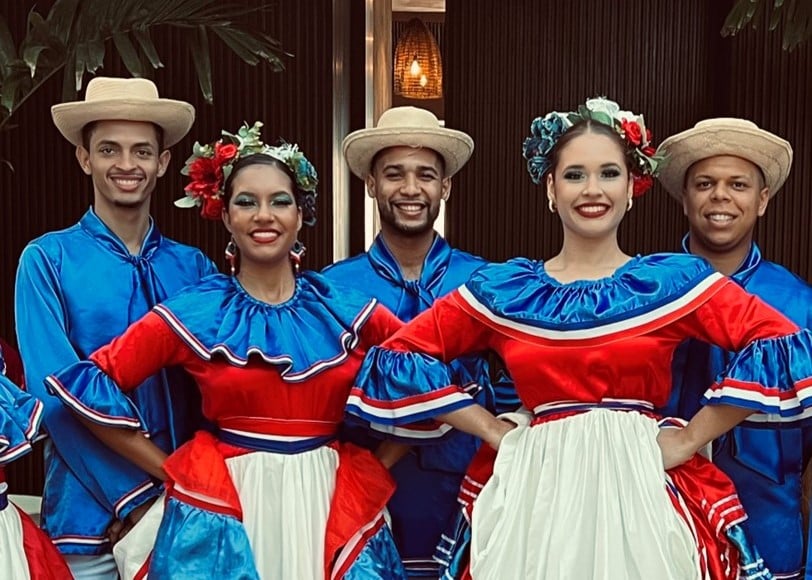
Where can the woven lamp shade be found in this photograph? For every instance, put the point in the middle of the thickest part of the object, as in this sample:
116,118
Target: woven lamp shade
418,65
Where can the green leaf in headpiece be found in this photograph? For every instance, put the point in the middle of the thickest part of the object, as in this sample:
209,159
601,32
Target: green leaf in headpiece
602,118
250,138
227,168
186,202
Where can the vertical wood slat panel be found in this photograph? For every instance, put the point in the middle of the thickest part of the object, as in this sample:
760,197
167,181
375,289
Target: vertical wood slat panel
507,64
47,190
547,56
772,87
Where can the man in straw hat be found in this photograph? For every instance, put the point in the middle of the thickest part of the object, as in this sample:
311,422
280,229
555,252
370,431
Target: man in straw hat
724,173
80,287
407,163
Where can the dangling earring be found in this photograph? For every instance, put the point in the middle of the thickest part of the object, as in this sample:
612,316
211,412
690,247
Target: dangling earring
231,255
631,203
297,252
551,205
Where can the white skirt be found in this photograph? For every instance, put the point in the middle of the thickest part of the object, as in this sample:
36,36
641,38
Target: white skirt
581,497
13,563
285,504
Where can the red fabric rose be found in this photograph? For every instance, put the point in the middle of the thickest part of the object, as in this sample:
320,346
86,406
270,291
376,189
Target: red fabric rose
224,153
205,177
641,184
648,150
212,208
634,134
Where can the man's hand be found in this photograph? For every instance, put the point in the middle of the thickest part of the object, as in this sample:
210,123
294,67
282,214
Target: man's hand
120,528
114,532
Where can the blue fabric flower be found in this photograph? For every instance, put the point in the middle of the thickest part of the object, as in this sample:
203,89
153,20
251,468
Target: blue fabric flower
544,133
537,166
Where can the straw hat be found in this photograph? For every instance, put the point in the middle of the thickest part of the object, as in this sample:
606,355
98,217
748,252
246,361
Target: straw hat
724,136
407,127
114,99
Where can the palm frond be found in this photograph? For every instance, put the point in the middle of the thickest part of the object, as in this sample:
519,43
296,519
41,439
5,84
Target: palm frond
8,52
147,47
795,15
75,35
199,47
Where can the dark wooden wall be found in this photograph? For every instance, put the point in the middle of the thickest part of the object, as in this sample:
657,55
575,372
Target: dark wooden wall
47,190
506,63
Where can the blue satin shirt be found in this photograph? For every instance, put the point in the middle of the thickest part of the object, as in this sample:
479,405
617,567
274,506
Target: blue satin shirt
428,478
76,290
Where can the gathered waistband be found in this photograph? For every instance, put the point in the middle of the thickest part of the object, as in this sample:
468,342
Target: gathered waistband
547,410
276,435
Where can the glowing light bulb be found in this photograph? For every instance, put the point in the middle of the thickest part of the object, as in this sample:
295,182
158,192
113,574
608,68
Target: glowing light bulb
415,68
423,80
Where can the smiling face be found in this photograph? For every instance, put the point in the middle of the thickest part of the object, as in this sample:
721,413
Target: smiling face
408,184
262,216
590,185
723,197
124,162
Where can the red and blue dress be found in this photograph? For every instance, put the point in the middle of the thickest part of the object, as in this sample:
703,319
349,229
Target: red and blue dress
25,550
579,490
268,491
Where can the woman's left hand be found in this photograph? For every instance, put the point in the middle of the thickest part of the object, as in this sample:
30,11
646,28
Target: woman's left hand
675,447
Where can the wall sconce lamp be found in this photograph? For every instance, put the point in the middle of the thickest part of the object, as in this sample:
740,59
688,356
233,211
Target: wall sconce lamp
418,64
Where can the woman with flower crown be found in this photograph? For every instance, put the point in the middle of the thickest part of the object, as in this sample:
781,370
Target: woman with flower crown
591,483
268,492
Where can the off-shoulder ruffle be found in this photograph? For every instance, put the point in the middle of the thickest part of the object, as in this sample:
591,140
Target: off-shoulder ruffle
773,377
399,393
521,290
313,331
88,391
20,417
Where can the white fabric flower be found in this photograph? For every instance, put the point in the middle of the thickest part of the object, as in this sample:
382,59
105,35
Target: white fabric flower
602,105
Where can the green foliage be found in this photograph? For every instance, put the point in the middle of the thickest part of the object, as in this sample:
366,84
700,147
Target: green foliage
76,34
795,14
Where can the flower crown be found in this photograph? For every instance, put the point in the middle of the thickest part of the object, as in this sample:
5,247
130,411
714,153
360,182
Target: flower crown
210,165
546,131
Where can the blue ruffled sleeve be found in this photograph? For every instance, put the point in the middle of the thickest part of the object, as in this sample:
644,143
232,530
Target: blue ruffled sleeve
406,382
96,388
400,388
89,392
770,372
20,416
771,376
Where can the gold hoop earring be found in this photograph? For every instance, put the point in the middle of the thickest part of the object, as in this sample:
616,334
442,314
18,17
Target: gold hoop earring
551,205
630,204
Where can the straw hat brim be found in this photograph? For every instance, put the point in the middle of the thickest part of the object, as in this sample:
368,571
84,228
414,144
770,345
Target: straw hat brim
361,146
770,153
174,117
